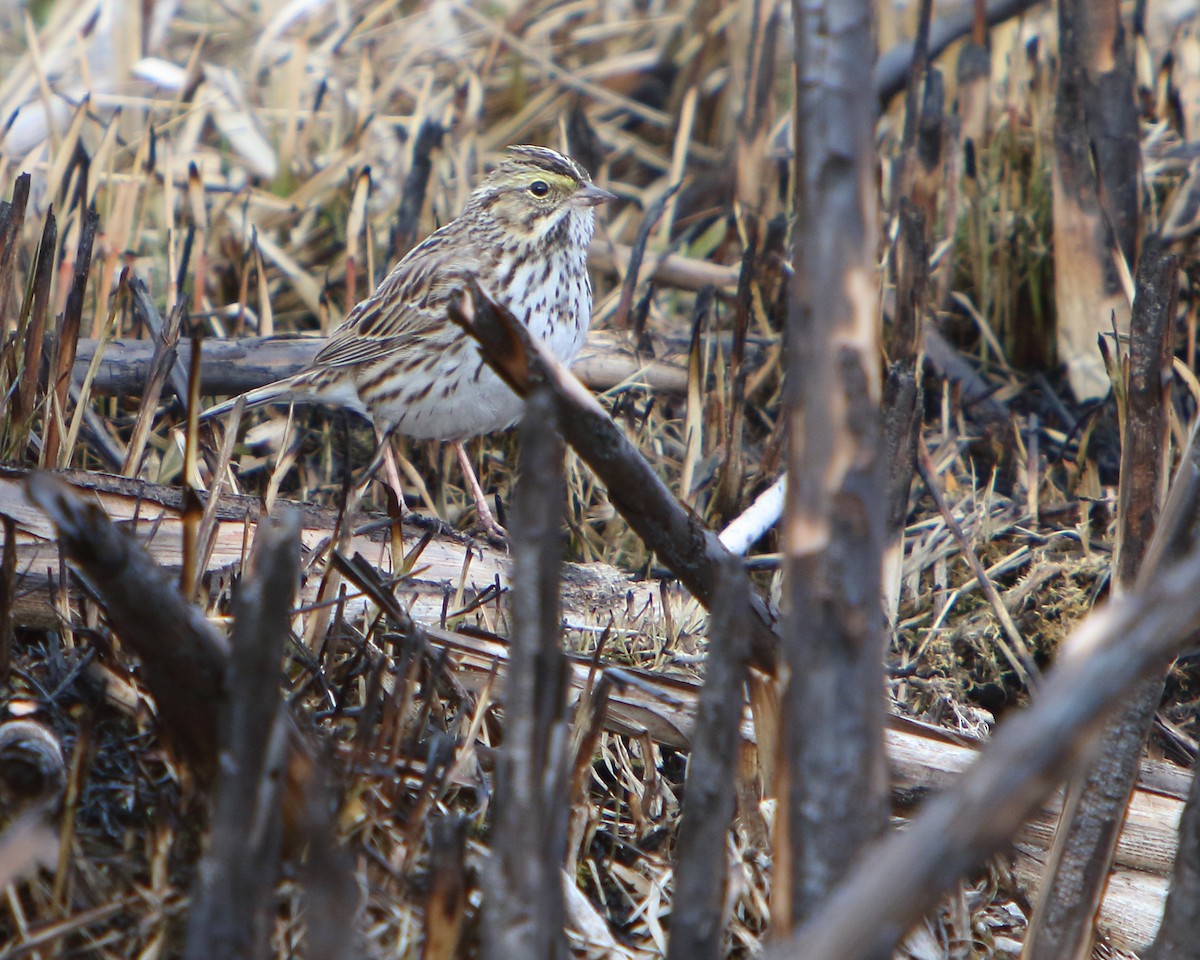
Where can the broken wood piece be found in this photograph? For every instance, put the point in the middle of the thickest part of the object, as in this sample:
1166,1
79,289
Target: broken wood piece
230,366
596,596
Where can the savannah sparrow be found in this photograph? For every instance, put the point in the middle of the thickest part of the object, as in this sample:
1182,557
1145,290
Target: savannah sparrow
399,360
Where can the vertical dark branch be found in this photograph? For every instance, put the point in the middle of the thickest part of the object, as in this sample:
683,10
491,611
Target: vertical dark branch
902,385
932,186
697,919
8,593
1079,863
165,336
636,253
523,906
1096,183
1180,928
832,779
903,168
1144,438
331,891
35,327
446,903
416,185
193,510
12,218
233,905
68,338
1112,121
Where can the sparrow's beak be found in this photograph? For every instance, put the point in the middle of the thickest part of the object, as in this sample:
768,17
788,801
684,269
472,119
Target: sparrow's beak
590,195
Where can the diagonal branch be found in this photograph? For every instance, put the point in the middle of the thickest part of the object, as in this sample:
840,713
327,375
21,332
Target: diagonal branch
679,537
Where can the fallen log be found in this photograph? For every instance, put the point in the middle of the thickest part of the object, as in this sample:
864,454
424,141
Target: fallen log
233,365
451,574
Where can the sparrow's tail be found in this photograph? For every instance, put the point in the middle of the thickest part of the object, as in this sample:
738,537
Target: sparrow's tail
302,388
281,391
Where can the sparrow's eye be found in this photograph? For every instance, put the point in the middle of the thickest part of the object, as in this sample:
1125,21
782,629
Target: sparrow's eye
539,188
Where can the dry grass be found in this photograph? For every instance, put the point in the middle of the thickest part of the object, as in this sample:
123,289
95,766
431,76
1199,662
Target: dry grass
262,158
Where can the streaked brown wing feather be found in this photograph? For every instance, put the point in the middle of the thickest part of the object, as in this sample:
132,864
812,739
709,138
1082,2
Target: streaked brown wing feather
406,310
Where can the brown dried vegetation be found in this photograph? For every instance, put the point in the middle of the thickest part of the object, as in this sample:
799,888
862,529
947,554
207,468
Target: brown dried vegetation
235,173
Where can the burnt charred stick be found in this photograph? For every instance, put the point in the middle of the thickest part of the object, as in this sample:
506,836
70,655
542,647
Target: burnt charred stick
903,166
1078,868
8,593
676,534
12,219
35,329
429,139
637,252
182,654
233,899
67,337
449,886
524,912
1176,939
701,872
830,775
165,338
902,392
